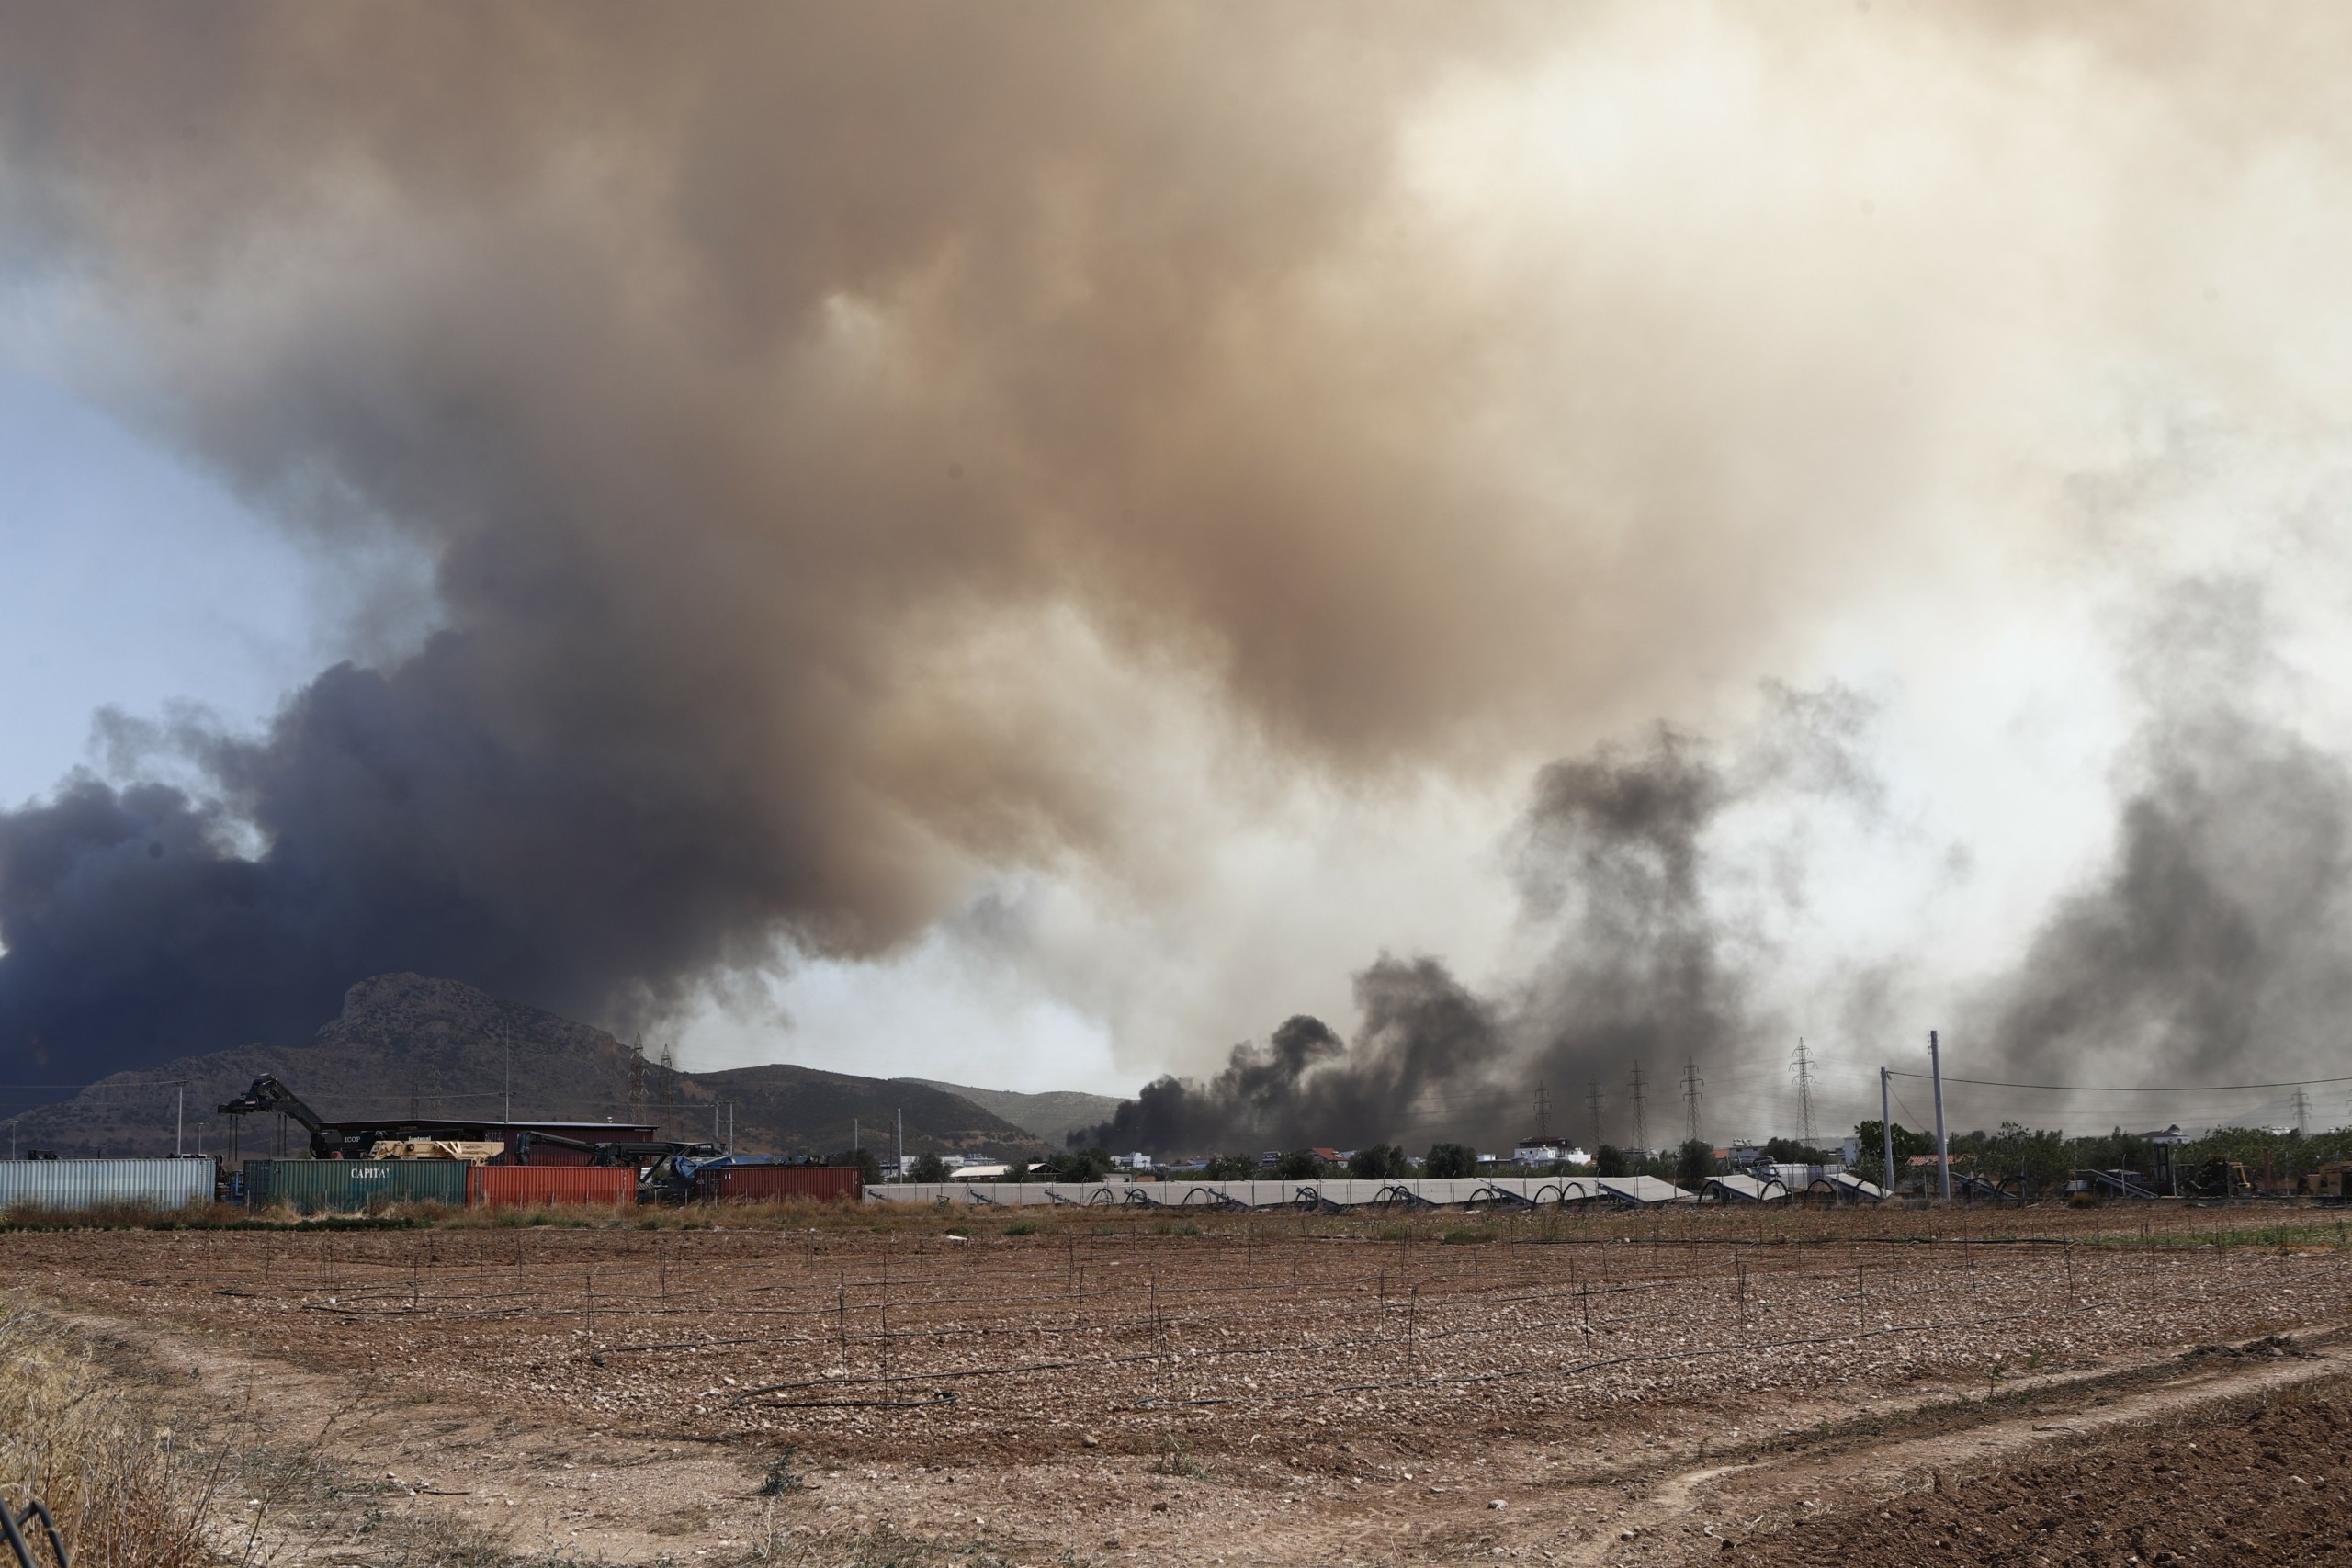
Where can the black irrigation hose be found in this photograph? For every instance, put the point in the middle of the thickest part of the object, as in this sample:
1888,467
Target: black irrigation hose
12,1533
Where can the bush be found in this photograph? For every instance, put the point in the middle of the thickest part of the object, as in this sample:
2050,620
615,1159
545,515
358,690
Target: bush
123,1489
1694,1165
1382,1162
1451,1160
1299,1165
869,1168
1078,1164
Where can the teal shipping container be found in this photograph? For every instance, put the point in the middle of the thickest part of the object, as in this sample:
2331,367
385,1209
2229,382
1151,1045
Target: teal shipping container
353,1186
105,1183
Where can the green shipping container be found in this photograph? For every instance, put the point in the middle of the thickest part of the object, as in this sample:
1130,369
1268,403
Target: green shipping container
353,1186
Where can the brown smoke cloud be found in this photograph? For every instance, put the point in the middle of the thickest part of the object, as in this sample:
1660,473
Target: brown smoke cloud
772,387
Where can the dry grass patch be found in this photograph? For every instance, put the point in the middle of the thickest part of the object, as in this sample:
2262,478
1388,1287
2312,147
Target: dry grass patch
126,1490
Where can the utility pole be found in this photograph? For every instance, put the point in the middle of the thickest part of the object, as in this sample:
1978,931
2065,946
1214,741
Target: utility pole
854,1143
1886,1127
1943,1145
902,1144
507,1041
179,1121
1592,1104
1641,1121
1805,1093
1691,1083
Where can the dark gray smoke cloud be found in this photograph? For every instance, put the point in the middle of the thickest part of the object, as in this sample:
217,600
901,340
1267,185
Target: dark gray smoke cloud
1647,965
772,387
2215,946
738,370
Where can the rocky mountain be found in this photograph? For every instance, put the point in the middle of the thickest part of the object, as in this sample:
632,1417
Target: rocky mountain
407,1044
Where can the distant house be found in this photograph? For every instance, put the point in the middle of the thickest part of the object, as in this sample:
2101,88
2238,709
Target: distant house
1536,1151
1328,1156
1137,1161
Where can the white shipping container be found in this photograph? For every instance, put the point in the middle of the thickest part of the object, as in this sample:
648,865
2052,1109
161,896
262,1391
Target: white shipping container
96,1183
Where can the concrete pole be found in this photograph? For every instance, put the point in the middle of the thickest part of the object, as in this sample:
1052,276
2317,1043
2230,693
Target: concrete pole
902,1146
1886,1126
179,1121
1943,1145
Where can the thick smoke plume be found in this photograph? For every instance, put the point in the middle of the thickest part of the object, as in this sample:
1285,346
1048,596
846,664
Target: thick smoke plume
1649,948
837,433
764,383
2215,946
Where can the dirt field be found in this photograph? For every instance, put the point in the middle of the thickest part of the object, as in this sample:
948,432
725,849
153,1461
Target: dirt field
911,1387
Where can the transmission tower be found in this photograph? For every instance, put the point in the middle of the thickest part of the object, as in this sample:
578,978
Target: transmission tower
2302,1112
1641,1121
1803,1066
1592,1104
1691,1083
1542,1113
637,1077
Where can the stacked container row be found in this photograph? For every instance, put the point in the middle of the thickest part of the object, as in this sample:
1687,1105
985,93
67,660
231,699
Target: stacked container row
514,1186
103,1183
353,1186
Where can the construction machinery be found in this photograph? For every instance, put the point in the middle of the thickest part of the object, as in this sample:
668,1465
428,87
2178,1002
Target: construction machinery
2332,1180
358,1138
671,1179
638,1152
472,1151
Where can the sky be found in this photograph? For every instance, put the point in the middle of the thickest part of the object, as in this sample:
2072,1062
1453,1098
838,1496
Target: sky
1029,549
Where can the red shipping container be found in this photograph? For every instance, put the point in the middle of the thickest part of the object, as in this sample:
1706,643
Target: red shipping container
766,1183
511,1186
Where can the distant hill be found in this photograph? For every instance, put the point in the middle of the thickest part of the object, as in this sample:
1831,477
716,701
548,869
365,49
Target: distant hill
1051,1116
822,1107
406,1041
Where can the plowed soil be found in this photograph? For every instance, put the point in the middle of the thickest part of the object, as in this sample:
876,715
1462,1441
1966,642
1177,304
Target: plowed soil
1092,1389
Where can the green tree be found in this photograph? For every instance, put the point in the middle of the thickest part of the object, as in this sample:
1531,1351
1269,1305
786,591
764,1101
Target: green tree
1016,1170
1870,1166
1695,1162
1080,1164
1788,1151
869,1169
1299,1165
1610,1160
1381,1162
929,1167
1229,1168
1451,1160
